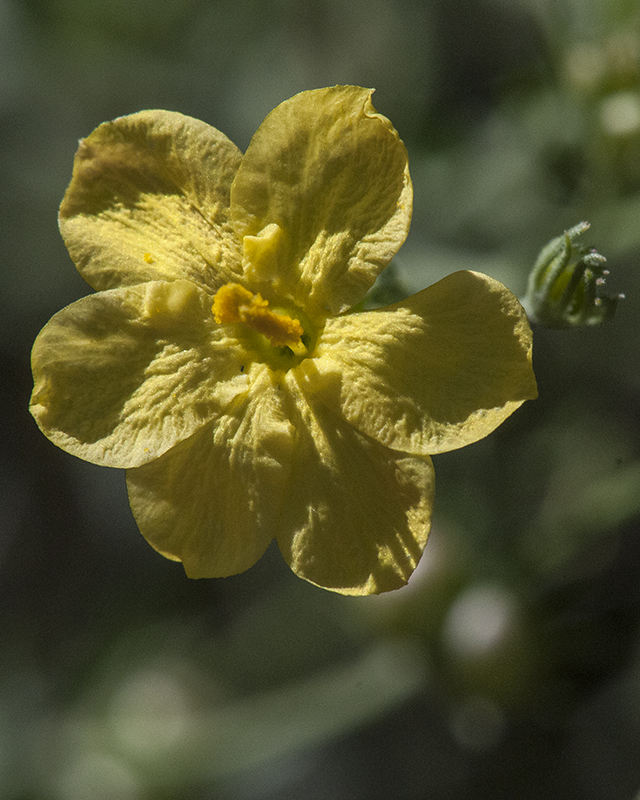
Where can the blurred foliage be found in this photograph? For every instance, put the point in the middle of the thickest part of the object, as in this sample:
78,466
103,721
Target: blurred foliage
509,666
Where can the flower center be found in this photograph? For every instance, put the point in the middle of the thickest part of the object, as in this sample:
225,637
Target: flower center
234,303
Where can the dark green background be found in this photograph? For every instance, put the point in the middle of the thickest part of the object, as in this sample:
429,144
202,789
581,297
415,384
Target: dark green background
509,667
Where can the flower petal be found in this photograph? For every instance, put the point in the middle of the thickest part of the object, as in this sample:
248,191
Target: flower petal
212,502
324,197
149,200
122,376
357,517
432,373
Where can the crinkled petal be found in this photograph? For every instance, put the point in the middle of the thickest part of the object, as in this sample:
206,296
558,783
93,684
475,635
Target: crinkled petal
122,376
432,373
357,517
213,501
149,200
322,199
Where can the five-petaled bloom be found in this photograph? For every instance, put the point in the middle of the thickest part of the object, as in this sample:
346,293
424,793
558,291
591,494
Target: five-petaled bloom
220,363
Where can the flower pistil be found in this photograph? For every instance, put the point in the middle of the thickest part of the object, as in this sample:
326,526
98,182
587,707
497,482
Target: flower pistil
234,303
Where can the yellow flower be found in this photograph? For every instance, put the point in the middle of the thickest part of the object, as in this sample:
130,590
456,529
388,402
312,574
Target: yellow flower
218,363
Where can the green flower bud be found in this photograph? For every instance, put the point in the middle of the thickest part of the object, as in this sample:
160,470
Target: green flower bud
565,284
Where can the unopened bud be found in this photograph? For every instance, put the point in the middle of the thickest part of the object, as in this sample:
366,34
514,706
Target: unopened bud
565,283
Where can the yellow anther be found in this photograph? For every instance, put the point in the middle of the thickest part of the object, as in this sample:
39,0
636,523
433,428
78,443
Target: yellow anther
234,303
228,301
